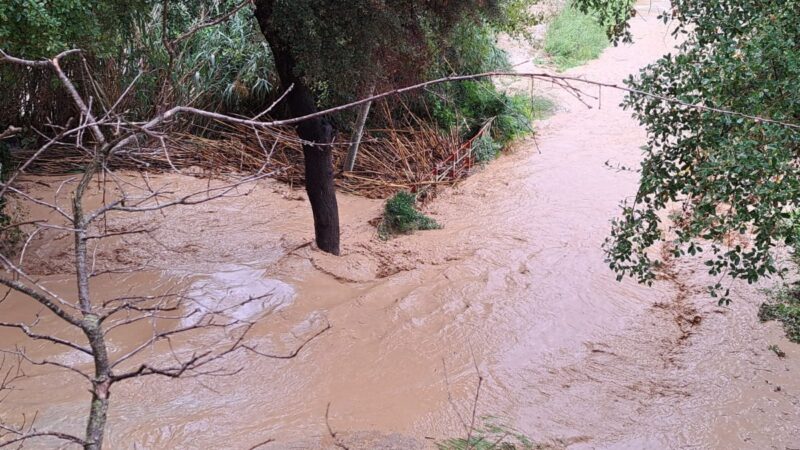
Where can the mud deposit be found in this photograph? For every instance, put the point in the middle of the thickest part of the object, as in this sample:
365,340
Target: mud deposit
514,289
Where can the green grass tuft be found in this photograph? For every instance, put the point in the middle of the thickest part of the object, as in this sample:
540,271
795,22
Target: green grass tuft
491,436
400,216
574,38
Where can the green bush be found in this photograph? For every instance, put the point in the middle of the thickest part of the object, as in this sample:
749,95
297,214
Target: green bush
400,216
485,148
574,37
468,106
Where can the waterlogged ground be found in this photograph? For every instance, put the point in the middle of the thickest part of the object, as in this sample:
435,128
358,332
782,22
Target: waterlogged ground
513,290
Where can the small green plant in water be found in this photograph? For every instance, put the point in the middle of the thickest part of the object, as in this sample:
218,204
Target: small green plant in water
491,437
777,350
400,216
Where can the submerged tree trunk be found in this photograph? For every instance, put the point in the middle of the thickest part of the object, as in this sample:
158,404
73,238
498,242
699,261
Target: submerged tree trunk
318,153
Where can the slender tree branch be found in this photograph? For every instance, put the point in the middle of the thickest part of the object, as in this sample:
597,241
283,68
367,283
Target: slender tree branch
40,434
23,289
45,337
295,352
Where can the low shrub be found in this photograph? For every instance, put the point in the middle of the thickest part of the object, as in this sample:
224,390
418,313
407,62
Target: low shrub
401,216
485,148
468,106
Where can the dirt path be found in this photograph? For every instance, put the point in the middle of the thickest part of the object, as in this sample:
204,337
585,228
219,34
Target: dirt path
514,289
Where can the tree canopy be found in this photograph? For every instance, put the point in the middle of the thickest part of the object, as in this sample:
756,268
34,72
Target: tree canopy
735,180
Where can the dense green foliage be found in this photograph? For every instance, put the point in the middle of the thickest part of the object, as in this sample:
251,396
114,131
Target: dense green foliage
229,66
736,180
42,28
574,37
341,50
400,216
613,15
225,67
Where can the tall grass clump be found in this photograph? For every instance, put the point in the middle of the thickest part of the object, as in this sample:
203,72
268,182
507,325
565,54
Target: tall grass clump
574,38
400,216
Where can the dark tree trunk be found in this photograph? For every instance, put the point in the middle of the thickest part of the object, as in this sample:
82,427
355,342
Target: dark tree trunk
318,132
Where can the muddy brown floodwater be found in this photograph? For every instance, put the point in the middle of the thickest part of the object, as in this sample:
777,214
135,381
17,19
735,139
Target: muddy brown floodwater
514,289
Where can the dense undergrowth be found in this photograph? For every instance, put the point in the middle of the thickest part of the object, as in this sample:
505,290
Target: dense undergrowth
468,106
229,68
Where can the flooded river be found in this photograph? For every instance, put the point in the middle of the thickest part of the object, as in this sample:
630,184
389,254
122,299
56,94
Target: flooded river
513,290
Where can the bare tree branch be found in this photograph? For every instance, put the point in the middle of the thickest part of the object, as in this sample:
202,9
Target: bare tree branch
23,289
44,337
41,434
292,354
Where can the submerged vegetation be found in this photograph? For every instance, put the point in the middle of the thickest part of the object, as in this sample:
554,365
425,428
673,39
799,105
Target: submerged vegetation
492,436
400,216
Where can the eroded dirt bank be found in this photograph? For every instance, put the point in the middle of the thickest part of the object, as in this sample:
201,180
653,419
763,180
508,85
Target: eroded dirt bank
515,284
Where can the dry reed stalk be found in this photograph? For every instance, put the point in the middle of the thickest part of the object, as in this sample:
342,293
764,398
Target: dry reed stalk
412,156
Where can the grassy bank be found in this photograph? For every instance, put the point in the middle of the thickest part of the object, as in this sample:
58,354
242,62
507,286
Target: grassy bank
574,38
